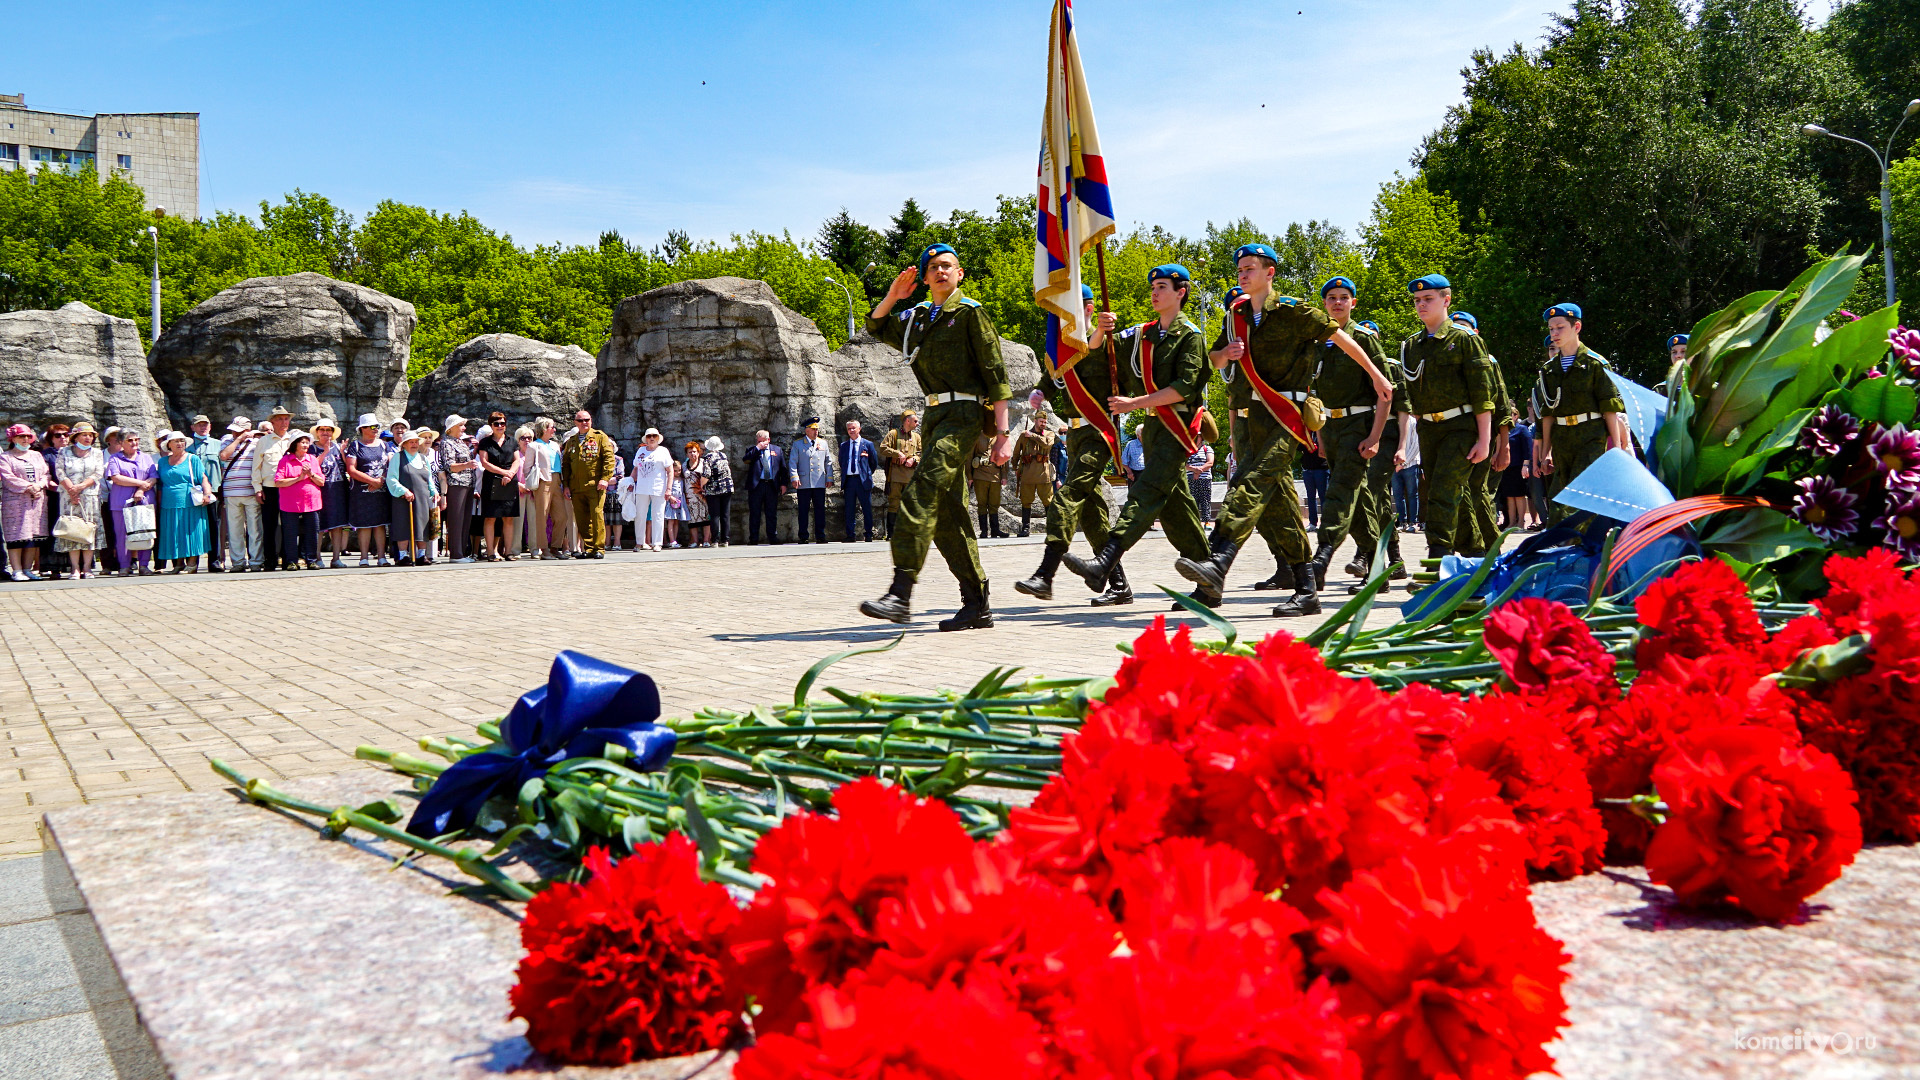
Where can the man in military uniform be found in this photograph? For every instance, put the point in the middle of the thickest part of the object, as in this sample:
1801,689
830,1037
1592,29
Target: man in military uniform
988,479
586,471
1581,414
1081,503
1279,518
1373,513
1479,520
1033,464
1359,441
1163,368
1280,351
1450,385
955,355
901,451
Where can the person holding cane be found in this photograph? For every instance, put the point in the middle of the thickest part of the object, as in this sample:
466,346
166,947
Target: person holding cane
415,488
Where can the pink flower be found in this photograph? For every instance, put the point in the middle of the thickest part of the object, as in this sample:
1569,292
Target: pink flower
1828,431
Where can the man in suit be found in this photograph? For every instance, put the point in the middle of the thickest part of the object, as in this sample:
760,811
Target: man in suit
766,468
857,462
812,462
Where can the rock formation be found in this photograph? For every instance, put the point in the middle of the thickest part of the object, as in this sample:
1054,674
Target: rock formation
76,364
318,346
519,376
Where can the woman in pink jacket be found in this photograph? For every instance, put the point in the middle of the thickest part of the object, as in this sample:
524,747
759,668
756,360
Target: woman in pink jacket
302,487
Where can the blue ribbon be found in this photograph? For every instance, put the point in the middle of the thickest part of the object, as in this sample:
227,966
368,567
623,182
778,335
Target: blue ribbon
586,706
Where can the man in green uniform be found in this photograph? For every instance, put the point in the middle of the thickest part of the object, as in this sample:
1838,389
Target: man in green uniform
901,449
1581,414
1450,386
987,480
1163,368
1279,517
1279,352
1081,503
955,354
1033,462
1479,523
1358,441
1373,510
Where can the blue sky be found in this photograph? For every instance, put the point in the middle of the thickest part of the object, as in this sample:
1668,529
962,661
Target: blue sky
555,121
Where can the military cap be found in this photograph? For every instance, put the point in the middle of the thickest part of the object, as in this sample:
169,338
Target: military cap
1570,312
1678,339
1086,293
1339,281
1173,272
1465,318
1265,251
932,250
811,421
1429,281
1371,325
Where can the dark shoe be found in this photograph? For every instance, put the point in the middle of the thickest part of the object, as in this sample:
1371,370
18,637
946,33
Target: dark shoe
1212,570
993,522
1395,567
1282,579
974,614
1040,585
1321,557
1359,565
1207,598
1094,571
1305,600
598,555
1118,591
1026,521
896,604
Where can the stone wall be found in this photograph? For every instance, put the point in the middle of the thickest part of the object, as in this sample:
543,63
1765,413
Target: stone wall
519,376
318,346
76,364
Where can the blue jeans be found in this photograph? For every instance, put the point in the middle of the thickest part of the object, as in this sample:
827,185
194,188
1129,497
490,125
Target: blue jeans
1316,494
1406,495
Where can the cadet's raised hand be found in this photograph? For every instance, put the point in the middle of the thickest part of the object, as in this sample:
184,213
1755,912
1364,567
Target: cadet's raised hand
903,285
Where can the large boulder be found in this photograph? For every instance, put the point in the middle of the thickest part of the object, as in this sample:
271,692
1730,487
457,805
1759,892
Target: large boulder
76,364
519,376
320,347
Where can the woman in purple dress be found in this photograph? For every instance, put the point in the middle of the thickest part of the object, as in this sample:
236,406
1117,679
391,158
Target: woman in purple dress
131,476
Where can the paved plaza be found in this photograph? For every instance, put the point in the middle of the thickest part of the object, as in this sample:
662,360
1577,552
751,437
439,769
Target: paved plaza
114,689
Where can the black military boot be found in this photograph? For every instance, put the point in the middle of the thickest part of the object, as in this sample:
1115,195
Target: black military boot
994,520
1094,571
1040,585
1118,591
1305,599
1362,562
1282,579
983,533
1206,596
890,526
1212,570
895,605
1321,557
1026,520
974,614
1395,567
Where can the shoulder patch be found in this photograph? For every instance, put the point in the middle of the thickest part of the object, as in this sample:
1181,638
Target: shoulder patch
1601,360
1358,328
1289,301
966,301
1128,332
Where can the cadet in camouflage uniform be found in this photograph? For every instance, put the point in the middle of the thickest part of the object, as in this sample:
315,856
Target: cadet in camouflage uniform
1479,524
1179,375
1081,502
1581,414
1373,510
1281,517
1361,431
987,481
1450,385
955,354
1283,349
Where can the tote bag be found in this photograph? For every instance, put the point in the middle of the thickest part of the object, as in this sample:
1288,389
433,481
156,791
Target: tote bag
139,520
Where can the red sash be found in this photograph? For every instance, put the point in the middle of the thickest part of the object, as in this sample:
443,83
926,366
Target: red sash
1283,409
1094,412
1189,435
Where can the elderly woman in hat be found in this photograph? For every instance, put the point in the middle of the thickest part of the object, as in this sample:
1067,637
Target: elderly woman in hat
78,470
52,560
24,483
327,453
369,508
415,491
185,491
652,479
453,458
717,485
302,492
132,475
498,455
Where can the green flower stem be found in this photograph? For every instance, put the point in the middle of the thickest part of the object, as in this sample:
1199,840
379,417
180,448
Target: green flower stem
412,766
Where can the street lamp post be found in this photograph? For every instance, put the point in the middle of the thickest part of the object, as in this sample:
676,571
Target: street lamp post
154,232
1886,191
844,289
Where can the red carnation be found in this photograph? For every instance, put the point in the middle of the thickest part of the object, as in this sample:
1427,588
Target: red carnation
629,965
813,922
1700,609
1752,817
1446,972
1540,643
1170,684
903,1031
1861,588
1541,779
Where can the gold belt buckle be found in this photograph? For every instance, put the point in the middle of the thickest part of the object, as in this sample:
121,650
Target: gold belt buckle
933,400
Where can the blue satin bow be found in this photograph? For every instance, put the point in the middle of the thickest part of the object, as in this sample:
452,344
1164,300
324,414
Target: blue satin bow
586,706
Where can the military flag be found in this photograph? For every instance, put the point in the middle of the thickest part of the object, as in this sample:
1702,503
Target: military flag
1075,212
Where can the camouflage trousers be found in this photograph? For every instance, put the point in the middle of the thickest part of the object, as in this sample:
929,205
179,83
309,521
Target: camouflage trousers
1444,483
1574,448
1160,491
1262,486
1354,480
1081,504
933,508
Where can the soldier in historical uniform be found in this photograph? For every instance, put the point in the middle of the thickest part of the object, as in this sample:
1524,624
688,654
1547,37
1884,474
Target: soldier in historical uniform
1360,438
1274,342
1581,414
901,452
988,479
1033,465
586,471
1162,366
1450,385
955,354
1081,503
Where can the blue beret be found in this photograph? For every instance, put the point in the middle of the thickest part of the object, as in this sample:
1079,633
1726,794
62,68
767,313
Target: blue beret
1547,341
1339,282
1429,281
1262,250
1173,272
932,250
1086,293
1678,339
1565,311
1466,318
1371,325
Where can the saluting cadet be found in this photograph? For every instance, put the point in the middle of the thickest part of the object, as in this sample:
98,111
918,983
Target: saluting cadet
1581,414
1480,523
955,354
1358,442
1164,367
1450,386
1081,504
1274,343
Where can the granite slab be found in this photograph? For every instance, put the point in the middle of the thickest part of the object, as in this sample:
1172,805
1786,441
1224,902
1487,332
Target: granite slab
253,947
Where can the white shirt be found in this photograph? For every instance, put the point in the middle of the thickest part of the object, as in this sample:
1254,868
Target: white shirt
650,470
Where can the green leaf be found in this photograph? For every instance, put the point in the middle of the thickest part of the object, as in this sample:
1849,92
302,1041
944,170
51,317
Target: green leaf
383,810
1881,401
1758,535
1674,450
1710,327
1747,380
636,830
701,830
1205,614
1782,438
806,681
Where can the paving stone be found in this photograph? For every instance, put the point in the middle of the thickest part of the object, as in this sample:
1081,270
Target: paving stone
61,1048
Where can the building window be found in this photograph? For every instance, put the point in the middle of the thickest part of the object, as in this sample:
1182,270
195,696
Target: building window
124,161
9,152
67,161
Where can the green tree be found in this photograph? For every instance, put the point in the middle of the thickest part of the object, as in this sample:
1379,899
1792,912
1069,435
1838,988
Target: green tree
1413,230
852,246
1905,181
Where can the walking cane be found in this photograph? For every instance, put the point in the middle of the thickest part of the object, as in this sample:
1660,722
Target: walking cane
413,535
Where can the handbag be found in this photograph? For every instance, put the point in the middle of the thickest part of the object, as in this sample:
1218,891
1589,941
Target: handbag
200,496
74,529
140,526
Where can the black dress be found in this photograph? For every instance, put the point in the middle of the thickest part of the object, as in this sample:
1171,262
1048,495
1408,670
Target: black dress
499,495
